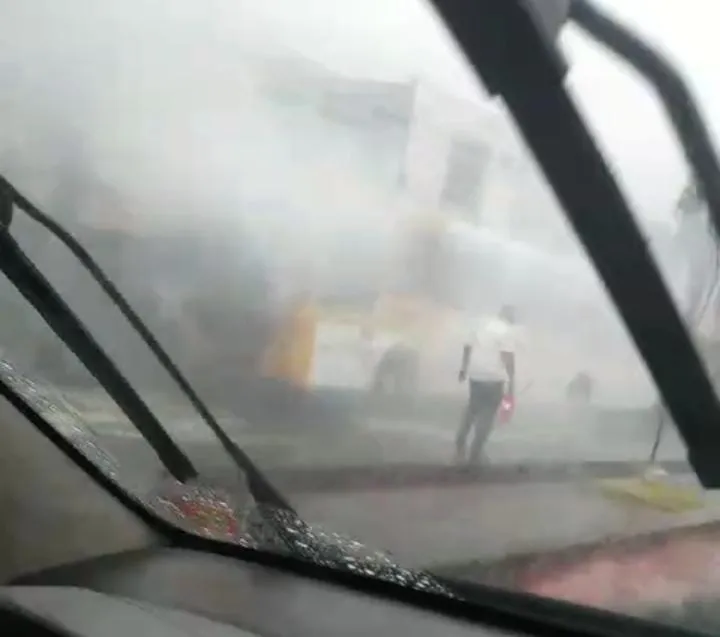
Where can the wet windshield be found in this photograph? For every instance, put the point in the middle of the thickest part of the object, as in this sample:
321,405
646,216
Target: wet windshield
344,244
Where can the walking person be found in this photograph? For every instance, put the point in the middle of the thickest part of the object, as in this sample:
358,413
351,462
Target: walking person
488,362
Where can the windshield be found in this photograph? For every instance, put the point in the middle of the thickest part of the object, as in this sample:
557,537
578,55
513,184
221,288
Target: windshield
344,244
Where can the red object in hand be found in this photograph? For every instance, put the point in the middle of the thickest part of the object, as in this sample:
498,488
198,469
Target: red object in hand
506,409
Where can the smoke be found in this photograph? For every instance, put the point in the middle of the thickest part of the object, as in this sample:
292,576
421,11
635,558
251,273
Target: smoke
195,151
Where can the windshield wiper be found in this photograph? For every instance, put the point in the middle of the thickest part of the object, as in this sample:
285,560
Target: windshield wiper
673,92
512,54
45,299
35,288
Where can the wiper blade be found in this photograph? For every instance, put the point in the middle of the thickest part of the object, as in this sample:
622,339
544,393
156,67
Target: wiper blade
508,49
30,282
260,488
673,92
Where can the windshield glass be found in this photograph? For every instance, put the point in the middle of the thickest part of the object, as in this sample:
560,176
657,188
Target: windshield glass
346,247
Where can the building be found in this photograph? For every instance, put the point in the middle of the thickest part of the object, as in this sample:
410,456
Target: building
462,160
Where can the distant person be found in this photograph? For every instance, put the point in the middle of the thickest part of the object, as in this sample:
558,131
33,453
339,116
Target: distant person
397,372
580,389
488,361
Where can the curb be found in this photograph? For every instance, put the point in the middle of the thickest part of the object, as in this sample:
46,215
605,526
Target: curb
335,479
510,571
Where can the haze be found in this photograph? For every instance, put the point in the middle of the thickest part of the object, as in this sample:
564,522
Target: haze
156,109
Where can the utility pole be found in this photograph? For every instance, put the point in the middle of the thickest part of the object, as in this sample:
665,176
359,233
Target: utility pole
695,277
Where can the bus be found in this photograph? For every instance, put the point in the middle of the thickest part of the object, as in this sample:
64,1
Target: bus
405,336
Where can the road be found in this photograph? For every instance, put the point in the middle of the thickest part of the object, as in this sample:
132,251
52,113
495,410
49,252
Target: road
353,433
437,515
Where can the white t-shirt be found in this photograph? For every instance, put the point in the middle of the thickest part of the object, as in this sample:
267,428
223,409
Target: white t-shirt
488,340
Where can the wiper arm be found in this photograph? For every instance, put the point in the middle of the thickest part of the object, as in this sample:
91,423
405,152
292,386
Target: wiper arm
30,282
673,92
508,49
260,488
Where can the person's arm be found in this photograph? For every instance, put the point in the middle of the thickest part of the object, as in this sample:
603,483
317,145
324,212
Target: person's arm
508,349
464,364
470,337
508,359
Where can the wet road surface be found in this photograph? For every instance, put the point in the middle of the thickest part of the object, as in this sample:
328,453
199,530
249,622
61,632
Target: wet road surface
391,483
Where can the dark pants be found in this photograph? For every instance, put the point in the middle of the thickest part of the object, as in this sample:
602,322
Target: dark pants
485,399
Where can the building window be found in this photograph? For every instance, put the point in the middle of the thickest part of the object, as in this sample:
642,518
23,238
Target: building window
466,166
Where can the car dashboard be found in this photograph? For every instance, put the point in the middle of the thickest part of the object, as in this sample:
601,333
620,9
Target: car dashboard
168,592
